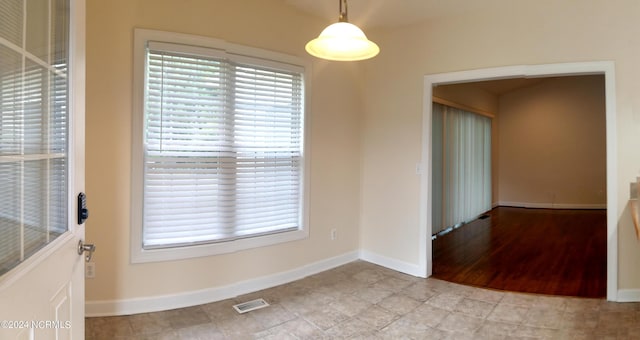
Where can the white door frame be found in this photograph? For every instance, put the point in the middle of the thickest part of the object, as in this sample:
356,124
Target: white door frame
606,68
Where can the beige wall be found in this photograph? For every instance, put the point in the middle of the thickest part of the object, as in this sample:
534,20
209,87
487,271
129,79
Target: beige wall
553,144
365,123
335,144
523,33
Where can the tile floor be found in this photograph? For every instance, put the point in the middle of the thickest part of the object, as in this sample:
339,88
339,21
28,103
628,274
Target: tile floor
364,301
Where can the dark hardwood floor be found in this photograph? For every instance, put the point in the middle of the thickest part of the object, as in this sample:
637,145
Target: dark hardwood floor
544,251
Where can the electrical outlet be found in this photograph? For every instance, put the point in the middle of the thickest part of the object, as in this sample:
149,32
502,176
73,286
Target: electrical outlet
90,270
334,234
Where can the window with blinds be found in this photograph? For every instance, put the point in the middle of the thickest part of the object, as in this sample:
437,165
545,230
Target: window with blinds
222,147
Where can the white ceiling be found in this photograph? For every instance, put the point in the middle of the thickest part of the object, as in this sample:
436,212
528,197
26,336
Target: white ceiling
390,13
393,13
500,87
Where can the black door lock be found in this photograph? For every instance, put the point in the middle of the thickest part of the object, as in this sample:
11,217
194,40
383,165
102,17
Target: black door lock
83,212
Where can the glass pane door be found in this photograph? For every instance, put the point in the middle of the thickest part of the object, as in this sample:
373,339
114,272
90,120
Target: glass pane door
33,126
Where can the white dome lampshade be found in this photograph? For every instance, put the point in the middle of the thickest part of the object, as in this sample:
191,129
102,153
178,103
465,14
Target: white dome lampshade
342,41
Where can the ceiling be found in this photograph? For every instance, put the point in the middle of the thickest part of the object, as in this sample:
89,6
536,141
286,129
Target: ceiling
390,13
393,13
500,87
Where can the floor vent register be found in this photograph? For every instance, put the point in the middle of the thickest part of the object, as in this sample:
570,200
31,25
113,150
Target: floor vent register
250,305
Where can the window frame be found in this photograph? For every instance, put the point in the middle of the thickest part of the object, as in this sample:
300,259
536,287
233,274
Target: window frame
234,52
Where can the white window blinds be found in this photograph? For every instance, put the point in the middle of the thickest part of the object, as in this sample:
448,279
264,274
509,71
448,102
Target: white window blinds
222,146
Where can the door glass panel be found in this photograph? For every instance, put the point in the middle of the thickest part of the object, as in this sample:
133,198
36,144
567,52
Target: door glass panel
11,23
59,33
10,101
57,197
34,93
33,128
34,217
38,28
10,247
58,117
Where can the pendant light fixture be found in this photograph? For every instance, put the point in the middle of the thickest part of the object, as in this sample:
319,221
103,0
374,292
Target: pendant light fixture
342,41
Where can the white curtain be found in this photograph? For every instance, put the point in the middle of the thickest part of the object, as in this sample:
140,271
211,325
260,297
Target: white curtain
461,155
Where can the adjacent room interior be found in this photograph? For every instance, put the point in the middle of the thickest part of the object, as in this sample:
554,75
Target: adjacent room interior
528,215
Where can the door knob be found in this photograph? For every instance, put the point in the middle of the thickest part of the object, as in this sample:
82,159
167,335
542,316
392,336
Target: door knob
86,248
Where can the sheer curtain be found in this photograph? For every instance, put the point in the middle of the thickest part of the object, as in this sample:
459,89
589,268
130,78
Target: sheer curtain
461,155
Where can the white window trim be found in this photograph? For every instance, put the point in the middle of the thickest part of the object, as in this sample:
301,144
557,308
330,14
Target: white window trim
140,255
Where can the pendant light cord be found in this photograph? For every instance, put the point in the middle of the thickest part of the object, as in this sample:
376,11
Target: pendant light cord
343,14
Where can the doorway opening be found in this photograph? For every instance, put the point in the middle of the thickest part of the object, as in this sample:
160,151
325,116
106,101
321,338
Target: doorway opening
530,74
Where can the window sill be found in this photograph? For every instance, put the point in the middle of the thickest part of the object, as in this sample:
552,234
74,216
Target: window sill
139,255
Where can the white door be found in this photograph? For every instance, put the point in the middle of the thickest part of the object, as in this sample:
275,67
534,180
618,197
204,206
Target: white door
41,168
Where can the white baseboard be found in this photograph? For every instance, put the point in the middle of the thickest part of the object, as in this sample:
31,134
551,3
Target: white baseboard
544,205
192,298
394,264
629,295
